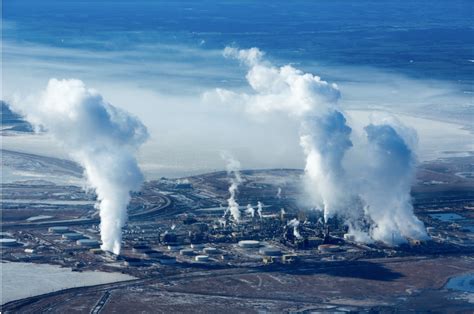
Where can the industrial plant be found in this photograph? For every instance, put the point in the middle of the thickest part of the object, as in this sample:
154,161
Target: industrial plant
181,227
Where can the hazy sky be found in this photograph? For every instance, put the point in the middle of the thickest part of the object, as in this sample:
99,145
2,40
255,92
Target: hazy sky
164,62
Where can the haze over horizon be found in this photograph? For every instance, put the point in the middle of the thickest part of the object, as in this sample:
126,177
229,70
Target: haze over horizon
162,62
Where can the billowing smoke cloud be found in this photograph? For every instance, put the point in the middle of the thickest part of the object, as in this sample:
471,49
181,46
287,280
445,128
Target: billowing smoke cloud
233,171
99,136
325,138
294,223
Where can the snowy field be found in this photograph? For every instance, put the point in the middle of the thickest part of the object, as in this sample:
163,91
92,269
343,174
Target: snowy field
437,139
22,280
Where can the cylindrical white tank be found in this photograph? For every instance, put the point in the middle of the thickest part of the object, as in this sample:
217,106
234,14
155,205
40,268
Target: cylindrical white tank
201,258
328,248
8,242
270,251
72,236
186,252
88,243
249,244
174,248
58,229
197,246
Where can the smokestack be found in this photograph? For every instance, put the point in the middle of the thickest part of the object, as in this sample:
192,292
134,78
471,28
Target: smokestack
103,139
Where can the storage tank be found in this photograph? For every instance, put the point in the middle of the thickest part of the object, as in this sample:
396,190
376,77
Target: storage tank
174,248
140,248
249,244
197,246
88,243
270,251
152,254
72,236
201,258
8,242
58,229
134,262
328,248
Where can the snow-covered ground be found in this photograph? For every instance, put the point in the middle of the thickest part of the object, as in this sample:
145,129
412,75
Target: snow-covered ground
22,280
17,165
436,139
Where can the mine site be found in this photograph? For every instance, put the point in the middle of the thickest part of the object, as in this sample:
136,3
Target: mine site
182,249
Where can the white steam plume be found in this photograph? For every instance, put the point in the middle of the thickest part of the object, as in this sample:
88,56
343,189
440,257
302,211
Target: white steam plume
233,171
259,209
250,211
99,136
294,223
325,137
389,177
278,193
325,140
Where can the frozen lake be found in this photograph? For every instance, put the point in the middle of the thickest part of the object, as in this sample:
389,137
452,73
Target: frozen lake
22,280
464,283
447,217
436,140
48,201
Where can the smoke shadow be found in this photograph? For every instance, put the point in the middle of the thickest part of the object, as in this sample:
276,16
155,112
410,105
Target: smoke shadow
350,269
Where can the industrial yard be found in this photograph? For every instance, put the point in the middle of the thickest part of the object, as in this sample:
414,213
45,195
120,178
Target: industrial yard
186,255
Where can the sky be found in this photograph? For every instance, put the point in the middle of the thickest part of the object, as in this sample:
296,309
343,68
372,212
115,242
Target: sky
163,61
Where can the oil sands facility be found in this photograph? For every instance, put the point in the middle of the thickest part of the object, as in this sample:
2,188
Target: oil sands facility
181,229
